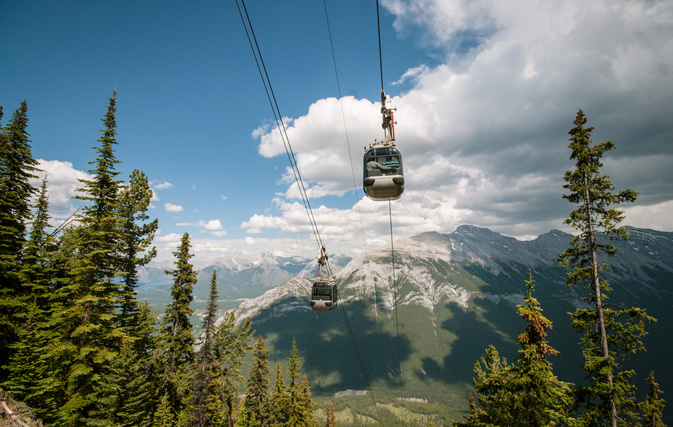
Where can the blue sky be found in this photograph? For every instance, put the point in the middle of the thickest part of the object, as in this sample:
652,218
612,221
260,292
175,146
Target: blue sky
485,92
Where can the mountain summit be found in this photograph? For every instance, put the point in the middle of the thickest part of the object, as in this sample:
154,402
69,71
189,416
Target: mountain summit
418,329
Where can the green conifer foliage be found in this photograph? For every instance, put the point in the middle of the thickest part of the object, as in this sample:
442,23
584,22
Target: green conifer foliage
279,401
541,399
205,409
609,333
526,393
17,166
330,418
176,338
231,345
653,406
136,237
163,416
126,395
256,406
300,406
85,335
177,326
33,307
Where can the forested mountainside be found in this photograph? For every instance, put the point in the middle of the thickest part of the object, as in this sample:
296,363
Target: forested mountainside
455,294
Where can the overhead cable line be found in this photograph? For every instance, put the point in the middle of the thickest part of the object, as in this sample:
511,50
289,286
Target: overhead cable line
397,325
390,212
348,144
291,157
378,25
261,67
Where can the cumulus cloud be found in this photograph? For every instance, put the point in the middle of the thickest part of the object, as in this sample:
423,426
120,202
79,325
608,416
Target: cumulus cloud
162,185
484,133
213,226
63,180
170,207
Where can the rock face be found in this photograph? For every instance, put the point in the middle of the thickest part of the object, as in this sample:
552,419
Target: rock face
427,321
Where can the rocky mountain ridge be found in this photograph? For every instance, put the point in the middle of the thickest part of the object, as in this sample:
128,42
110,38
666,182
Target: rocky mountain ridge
453,295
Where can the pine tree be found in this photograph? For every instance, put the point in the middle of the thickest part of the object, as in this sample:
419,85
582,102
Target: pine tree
609,333
231,346
33,306
330,418
541,399
279,401
86,337
256,406
473,419
492,386
126,394
136,236
307,405
164,417
139,376
204,404
17,167
300,406
653,406
176,337
526,393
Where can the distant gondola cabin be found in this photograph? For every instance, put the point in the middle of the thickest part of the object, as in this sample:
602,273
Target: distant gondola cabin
383,174
323,295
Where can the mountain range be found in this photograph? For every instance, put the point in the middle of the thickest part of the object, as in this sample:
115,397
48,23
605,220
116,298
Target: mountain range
413,332
239,276
410,325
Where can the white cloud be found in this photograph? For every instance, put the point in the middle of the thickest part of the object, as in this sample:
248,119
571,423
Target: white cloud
170,207
63,180
169,238
213,226
484,134
162,185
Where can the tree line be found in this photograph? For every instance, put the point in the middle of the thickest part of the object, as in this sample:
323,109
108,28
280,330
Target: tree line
526,392
78,347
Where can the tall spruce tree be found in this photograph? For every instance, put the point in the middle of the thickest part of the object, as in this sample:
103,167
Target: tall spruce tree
609,333
256,405
300,406
526,393
279,401
177,340
653,406
330,418
205,399
232,343
136,237
33,307
17,167
540,398
85,335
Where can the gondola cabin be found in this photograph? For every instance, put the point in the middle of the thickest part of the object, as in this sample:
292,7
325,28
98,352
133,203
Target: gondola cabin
383,174
323,295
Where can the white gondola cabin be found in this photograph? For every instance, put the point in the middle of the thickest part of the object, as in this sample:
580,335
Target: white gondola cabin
383,173
323,295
